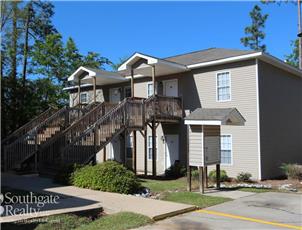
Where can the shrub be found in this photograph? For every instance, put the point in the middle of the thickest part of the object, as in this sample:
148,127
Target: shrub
109,176
175,171
244,177
292,171
195,174
65,174
223,176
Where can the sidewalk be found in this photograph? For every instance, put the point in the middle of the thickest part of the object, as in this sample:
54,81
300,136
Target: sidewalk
75,199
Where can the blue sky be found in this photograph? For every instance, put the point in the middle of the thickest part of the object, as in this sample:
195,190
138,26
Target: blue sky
161,29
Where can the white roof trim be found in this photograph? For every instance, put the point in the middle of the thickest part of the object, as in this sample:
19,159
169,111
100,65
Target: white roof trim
150,61
202,122
72,76
75,86
225,60
262,56
281,64
135,57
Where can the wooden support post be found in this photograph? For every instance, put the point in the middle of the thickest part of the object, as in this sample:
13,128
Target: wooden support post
201,180
104,154
189,170
79,92
153,148
95,139
206,176
94,89
218,176
134,152
146,151
124,156
132,83
153,79
189,178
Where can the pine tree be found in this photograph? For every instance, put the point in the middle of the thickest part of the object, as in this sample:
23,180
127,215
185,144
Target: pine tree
254,32
293,58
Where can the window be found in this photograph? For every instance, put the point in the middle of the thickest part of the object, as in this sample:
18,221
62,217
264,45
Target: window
129,146
84,98
149,144
223,86
149,89
226,149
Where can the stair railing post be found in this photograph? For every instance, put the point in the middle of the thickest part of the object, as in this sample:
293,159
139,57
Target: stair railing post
5,159
36,150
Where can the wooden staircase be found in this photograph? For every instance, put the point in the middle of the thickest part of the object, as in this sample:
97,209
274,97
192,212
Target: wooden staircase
26,141
76,135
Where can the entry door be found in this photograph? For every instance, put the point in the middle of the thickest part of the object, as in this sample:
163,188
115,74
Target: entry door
115,148
172,150
115,95
171,88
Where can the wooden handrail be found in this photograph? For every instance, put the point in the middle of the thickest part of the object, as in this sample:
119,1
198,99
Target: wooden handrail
127,114
28,126
28,144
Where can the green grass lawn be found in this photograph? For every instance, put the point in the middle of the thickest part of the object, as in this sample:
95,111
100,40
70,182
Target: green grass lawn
202,201
164,185
119,221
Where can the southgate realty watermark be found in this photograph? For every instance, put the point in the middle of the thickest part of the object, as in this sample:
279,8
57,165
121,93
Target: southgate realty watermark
29,203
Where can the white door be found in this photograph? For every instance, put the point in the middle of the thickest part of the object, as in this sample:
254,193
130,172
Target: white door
115,148
115,95
171,88
172,150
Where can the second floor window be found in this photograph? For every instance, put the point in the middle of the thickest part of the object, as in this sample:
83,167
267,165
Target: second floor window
84,98
150,89
223,90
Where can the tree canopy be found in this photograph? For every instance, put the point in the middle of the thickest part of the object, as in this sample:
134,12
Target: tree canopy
254,32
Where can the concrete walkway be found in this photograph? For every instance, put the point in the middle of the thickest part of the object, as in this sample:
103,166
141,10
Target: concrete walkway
233,194
73,199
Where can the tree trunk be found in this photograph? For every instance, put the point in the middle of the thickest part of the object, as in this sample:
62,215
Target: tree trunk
25,52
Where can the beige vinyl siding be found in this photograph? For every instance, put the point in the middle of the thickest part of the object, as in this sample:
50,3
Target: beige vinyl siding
280,102
244,98
195,145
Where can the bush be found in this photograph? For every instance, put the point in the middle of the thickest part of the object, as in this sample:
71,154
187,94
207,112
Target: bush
195,174
65,174
244,177
175,171
109,176
223,176
292,171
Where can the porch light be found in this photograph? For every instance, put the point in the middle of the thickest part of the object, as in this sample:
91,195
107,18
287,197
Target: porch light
299,35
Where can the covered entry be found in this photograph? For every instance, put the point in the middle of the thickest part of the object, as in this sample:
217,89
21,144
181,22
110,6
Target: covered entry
204,139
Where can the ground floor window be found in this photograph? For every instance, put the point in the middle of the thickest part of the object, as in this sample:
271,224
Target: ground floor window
129,146
226,149
149,144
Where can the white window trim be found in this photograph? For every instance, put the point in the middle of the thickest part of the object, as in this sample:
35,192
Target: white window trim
230,75
87,97
156,148
164,87
147,93
231,136
127,146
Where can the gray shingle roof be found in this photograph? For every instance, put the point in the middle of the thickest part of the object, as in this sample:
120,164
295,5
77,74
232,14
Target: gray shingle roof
219,114
207,55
